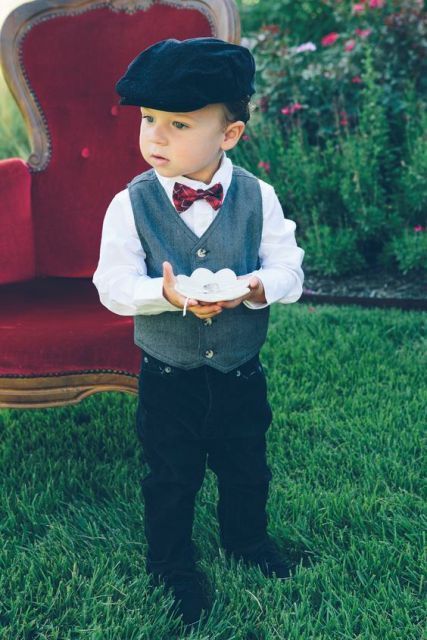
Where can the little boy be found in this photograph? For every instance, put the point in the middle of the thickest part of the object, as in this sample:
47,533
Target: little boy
202,388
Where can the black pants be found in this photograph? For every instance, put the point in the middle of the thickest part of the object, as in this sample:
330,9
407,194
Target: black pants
186,419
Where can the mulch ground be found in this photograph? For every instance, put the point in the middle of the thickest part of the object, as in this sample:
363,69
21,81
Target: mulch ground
373,288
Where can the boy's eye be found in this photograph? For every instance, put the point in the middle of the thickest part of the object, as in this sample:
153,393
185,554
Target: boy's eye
176,123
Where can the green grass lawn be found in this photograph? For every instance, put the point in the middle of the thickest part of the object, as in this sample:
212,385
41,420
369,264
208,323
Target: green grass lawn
347,388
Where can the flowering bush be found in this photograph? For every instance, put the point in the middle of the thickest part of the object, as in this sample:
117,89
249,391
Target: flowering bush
302,21
359,185
318,84
338,128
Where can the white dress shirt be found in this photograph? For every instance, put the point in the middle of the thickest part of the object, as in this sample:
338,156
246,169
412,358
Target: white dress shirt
121,275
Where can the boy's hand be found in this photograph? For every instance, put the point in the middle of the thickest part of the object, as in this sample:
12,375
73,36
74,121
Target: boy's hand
207,310
256,294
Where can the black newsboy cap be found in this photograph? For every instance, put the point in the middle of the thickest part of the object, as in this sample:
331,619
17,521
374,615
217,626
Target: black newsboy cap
185,75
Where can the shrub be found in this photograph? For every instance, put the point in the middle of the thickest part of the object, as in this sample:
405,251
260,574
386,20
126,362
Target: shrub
339,130
332,251
353,183
318,84
410,251
299,20
412,201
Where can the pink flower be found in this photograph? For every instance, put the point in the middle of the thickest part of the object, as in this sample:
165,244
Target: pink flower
306,46
245,137
349,45
418,228
264,165
358,8
356,79
343,119
288,111
363,33
329,39
376,4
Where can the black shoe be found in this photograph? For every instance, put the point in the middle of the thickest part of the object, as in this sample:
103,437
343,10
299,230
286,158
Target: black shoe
269,559
189,596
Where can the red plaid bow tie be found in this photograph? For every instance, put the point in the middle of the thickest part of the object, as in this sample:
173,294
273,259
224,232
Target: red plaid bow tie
183,196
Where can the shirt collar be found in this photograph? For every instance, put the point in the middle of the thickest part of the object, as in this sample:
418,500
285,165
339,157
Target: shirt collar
223,175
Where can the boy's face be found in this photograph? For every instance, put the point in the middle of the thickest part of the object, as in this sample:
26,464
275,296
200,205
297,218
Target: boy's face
189,144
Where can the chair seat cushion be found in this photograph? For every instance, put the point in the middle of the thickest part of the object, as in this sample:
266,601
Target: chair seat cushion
58,325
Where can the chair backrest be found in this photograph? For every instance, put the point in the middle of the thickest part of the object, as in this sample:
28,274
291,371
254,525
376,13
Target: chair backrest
61,60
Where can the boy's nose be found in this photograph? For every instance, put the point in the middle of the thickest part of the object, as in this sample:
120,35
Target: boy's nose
157,135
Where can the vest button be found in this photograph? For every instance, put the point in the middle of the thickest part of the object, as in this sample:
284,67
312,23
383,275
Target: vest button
208,321
168,369
201,253
209,353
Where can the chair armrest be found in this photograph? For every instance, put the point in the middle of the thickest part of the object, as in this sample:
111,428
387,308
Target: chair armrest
17,255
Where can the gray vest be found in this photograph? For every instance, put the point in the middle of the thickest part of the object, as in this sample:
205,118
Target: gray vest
232,240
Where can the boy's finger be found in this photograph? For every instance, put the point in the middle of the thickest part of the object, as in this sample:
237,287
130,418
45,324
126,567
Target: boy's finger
204,311
168,275
168,269
203,316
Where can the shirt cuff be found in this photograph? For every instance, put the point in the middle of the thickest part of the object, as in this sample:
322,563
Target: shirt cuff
279,286
257,305
149,297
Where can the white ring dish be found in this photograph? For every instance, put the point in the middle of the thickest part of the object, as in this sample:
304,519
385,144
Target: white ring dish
207,286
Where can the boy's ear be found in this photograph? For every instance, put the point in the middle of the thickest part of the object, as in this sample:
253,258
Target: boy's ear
232,134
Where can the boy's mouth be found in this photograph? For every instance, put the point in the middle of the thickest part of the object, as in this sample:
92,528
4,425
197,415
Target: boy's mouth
159,158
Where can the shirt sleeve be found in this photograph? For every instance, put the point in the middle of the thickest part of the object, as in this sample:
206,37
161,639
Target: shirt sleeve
121,275
280,257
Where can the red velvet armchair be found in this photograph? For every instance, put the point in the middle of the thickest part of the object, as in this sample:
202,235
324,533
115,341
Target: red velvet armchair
61,59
